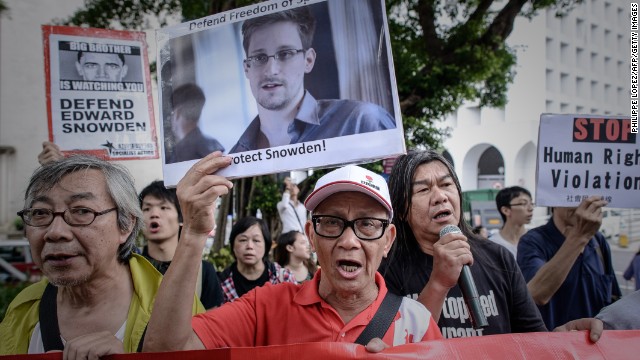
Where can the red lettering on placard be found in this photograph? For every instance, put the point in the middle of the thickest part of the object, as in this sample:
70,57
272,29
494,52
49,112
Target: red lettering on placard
603,130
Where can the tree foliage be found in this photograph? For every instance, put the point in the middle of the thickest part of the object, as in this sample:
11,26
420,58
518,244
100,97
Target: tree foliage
448,52
445,53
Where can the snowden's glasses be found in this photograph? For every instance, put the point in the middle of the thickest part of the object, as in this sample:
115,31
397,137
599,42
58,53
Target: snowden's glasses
365,228
525,204
282,56
79,216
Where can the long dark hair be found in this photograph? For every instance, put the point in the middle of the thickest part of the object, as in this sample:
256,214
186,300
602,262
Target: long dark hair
282,256
400,188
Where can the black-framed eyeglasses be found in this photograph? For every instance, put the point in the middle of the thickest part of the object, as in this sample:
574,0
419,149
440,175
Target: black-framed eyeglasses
38,217
282,56
525,204
333,226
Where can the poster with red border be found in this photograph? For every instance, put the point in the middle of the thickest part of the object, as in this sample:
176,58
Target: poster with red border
99,98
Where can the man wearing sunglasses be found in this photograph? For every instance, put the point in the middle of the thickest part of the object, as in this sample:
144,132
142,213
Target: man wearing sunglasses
81,218
351,232
279,53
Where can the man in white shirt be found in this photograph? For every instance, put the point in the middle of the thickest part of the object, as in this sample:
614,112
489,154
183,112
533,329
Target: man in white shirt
516,208
292,212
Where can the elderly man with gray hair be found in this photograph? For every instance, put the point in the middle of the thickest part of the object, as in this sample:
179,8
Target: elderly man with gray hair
81,218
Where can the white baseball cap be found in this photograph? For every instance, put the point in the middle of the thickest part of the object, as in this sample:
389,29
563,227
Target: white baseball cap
350,178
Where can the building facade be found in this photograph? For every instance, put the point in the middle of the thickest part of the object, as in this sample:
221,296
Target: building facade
23,112
578,63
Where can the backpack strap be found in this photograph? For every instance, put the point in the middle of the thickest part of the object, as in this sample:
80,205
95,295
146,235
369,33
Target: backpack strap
141,343
48,316
381,321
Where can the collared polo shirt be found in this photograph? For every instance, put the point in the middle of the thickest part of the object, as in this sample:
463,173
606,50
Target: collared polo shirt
589,286
288,314
322,119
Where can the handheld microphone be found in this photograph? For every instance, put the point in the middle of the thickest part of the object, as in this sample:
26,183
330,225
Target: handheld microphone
468,287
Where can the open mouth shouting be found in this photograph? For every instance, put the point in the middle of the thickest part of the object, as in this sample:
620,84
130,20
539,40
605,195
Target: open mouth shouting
349,268
154,227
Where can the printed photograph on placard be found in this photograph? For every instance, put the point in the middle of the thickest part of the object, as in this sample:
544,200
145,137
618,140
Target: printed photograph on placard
99,97
279,86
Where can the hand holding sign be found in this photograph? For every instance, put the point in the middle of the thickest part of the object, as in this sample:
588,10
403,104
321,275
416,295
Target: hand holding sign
583,222
50,152
198,191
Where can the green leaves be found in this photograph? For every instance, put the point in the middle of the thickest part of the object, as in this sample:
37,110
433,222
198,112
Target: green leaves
445,52
449,52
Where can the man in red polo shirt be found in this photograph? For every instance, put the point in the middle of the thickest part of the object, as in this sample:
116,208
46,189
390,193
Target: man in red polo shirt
351,231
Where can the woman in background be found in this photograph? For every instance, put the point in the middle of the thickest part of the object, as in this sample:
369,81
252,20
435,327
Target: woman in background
294,253
250,238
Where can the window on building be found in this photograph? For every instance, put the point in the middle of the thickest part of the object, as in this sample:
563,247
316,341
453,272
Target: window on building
594,35
581,34
622,18
549,106
490,169
621,45
550,80
581,59
620,95
565,57
565,86
608,10
595,91
581,91
594,62
551,50
622,70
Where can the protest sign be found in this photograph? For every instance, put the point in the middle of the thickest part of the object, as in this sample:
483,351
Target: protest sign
584,155
99,92
275,96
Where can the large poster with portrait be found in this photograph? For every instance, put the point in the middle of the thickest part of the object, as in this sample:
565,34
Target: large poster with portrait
99,97
279,85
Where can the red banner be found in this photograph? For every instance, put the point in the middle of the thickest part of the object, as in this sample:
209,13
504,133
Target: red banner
552,345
